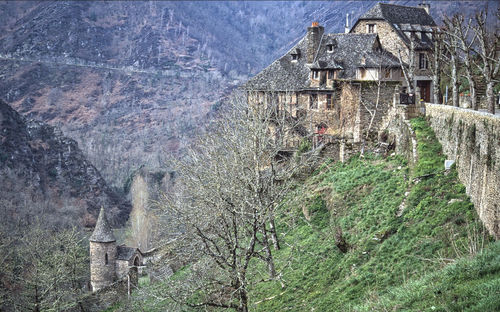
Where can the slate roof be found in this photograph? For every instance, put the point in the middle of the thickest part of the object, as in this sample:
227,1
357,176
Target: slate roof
348,52
283,74
102,231
404,19
125,253
399,14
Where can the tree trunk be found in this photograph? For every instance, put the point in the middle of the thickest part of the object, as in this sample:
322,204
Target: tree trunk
269,255
454,83
436,77
436,81
472,91
490,97
274,235
243,304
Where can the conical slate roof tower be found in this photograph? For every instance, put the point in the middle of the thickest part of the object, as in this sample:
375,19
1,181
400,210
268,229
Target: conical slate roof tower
102,232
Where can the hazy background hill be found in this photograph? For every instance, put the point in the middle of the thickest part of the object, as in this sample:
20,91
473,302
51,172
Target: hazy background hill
131,82
46,179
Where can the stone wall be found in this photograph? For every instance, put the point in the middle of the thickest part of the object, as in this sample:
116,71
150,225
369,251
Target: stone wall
397,132
389,39
102,274
369,106
472,139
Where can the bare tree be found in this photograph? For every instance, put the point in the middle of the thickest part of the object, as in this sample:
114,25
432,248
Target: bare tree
50,271
371,104
451,44
488,50
466,41
228,188
409,68
435,59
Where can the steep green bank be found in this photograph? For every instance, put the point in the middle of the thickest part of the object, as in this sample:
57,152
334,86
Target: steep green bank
403,227
373,234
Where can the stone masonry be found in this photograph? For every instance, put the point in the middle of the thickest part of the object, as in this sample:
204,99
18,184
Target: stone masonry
472,139
102,274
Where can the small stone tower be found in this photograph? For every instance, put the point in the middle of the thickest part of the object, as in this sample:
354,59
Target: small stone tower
102,254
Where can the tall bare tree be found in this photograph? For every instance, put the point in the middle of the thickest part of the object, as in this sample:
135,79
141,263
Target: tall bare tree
435,60
466,41
451,44
489,51
409,68
228,188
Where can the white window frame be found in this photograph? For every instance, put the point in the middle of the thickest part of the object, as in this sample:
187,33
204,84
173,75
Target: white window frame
374,28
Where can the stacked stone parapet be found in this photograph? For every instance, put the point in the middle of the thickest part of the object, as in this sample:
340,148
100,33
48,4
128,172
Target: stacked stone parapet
472,140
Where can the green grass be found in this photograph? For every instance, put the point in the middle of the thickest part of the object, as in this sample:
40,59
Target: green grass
386,251
414,258
470,284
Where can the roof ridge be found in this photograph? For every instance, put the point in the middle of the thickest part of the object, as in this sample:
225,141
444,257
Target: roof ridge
400,5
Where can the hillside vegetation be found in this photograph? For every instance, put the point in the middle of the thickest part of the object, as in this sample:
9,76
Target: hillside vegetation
389,244
374,234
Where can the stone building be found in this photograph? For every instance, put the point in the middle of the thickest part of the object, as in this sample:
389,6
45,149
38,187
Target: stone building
110,263
406,32
342,85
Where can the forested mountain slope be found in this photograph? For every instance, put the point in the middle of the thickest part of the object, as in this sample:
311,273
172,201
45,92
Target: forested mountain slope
46,179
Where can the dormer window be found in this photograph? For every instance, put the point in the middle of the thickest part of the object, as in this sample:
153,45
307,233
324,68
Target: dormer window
371,28
295,55
329,48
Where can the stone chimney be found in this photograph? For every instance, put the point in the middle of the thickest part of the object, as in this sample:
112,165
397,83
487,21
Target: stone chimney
346,30
314,34
426,7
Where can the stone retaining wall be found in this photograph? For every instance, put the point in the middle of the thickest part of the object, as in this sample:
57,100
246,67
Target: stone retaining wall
472,139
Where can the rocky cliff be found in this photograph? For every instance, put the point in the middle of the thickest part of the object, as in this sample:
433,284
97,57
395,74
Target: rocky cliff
45,177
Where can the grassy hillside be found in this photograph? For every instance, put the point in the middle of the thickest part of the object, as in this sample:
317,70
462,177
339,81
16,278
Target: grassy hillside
389,243
411,240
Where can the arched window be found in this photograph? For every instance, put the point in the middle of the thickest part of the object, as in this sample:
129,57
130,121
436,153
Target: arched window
106,258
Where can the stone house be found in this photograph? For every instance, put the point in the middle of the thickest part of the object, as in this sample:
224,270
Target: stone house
406,32
110,263
343,84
